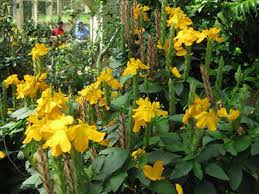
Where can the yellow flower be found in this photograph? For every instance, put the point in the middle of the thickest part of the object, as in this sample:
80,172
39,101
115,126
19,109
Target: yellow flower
179,189
12,79
154,173
222,112
212,33
233,114
137,153
165,47
33,131
198,106
106,76
81,134
104,142
38,50
91,93
145,112
59,143
177,18
132,66
207,119
138,10
2,154
186,36
175,72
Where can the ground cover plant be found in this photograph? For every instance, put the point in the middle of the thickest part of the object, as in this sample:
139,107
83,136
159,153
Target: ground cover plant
170,105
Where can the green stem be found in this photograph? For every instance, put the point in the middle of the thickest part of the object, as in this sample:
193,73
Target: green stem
196,139
208,54
172,100
218,84
147,134
14,97
129,128
171,52
80,176
135,89
192,92
187,63
163,23
4,101
59,176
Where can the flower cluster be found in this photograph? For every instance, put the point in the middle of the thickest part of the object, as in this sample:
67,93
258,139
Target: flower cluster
106,77
198,110
38,51
132,66
186,36
31,85
207,118
140,11
233,114
56,130
145,113
11,80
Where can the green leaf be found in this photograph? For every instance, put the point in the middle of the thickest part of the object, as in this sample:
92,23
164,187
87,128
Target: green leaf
115,64
197,170
22,113
163,187
176,118
235,176
255,148
211,151
216,171
114,160
161,125
205,187
152,88
230,147
142,178
97,163
117,180
181,169
33,180
178,88
123,79
94,188
242,143
121,101
166,157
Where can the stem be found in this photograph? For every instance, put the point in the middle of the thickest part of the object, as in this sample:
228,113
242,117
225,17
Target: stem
172,100
208,54
129,127
192,92
59,176
218,84
163,24
187,63
4,101
135,89
171,52
14,97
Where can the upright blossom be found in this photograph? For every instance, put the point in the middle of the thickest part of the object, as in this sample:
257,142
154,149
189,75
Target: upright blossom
233,114
38,51
133,66
145,112
106,77
141,10
11,80
177,18
154,173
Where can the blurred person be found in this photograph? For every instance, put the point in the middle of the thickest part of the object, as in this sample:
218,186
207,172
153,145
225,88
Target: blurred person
57,32
81,31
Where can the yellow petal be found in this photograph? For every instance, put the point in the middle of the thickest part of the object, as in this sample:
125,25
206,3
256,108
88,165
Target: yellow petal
2,154
178,188
222,112
233,114
154,173
175,72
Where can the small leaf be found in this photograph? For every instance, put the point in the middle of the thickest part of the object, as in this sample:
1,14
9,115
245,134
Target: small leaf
181,169
115,64
242,143
163,187
117,180
211,151
235,176
255,148
197,170
166,157
205,187
178,88
216,171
